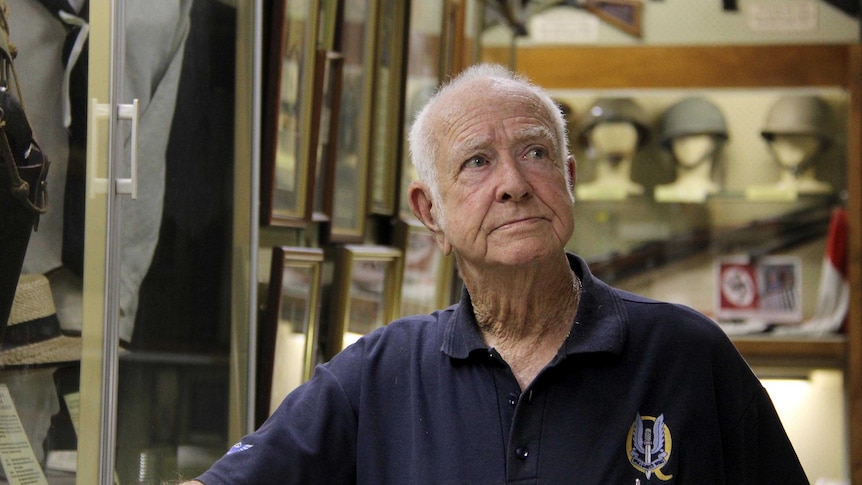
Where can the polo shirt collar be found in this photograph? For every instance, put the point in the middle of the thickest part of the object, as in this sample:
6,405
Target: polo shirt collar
599,325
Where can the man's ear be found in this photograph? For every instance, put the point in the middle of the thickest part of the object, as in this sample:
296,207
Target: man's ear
573,172
419,198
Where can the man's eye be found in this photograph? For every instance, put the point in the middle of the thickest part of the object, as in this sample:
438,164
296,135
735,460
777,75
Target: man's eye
475,162
537,154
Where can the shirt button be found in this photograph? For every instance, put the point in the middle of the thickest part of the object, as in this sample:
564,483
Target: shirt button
513,398
522,452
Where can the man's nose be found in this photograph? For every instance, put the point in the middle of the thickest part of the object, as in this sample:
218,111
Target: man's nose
513,185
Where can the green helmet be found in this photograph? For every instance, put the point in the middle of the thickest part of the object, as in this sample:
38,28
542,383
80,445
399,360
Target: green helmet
692,116
615,109
799,115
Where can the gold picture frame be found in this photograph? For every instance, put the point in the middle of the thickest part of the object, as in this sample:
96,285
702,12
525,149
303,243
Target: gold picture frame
388,99
366,293
424,71
328,85
428,278
350,192
288,156
287,339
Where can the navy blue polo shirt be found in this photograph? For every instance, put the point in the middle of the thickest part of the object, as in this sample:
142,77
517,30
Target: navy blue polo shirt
640,390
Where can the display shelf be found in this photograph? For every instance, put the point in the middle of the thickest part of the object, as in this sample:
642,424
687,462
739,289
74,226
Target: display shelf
751,67
682,67
658,234
794,352
175,358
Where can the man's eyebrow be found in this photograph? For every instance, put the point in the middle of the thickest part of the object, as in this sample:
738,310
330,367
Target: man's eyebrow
534,132
528,134
474,144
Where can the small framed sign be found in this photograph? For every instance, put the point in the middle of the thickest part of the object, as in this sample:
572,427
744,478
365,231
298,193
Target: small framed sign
768,289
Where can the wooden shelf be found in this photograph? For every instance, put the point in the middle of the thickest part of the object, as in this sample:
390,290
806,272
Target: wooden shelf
676,67
794,352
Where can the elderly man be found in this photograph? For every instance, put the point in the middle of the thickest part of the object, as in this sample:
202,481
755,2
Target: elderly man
542,373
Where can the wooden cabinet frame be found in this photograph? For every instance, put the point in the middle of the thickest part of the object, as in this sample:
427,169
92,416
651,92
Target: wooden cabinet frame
740,66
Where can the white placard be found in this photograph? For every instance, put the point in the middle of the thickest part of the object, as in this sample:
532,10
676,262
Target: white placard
785,16
16,455
564,26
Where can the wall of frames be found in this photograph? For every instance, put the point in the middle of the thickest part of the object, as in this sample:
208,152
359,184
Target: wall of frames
340,253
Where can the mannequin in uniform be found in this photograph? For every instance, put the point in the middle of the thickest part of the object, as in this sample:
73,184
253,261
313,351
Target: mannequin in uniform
613,130
693,131
797,131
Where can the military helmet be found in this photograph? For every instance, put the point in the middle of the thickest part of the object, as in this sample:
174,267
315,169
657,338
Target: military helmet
611,110
799,115
692,116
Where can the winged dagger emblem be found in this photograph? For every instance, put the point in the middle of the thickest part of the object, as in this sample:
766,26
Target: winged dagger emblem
647,448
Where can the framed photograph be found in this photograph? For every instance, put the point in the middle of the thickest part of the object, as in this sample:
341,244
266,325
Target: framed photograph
350,194
366,293
428,278
287,341
388,98
768,289
288,157
424,72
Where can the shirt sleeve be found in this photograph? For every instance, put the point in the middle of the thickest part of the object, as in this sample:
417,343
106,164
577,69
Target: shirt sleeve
760,448
309,439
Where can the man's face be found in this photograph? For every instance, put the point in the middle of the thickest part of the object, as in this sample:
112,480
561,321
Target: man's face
501,178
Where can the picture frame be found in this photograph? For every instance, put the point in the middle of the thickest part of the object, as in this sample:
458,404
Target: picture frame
329,74
388,98
287,157
365,294
466,20
424,71
328,84
428,279
350,191
766,289
287,339
625,15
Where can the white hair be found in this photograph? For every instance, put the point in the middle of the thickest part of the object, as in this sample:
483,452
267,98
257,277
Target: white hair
424,147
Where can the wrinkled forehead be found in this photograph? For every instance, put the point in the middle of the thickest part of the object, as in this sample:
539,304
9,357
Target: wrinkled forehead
494,99
485,92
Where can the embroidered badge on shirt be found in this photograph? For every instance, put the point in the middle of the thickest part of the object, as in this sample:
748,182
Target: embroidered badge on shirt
238,447
649,445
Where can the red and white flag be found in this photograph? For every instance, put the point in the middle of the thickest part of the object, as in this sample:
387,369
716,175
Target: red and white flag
833,294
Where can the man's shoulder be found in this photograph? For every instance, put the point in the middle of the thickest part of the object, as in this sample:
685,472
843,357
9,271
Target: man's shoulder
403,336
412,326
676,318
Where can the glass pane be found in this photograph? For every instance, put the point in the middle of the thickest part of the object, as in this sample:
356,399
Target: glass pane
176,240
42,291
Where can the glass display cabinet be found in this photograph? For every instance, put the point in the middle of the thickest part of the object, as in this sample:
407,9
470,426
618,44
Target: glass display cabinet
150,119
676,244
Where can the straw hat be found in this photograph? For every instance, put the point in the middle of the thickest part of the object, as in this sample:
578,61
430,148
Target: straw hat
33,334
